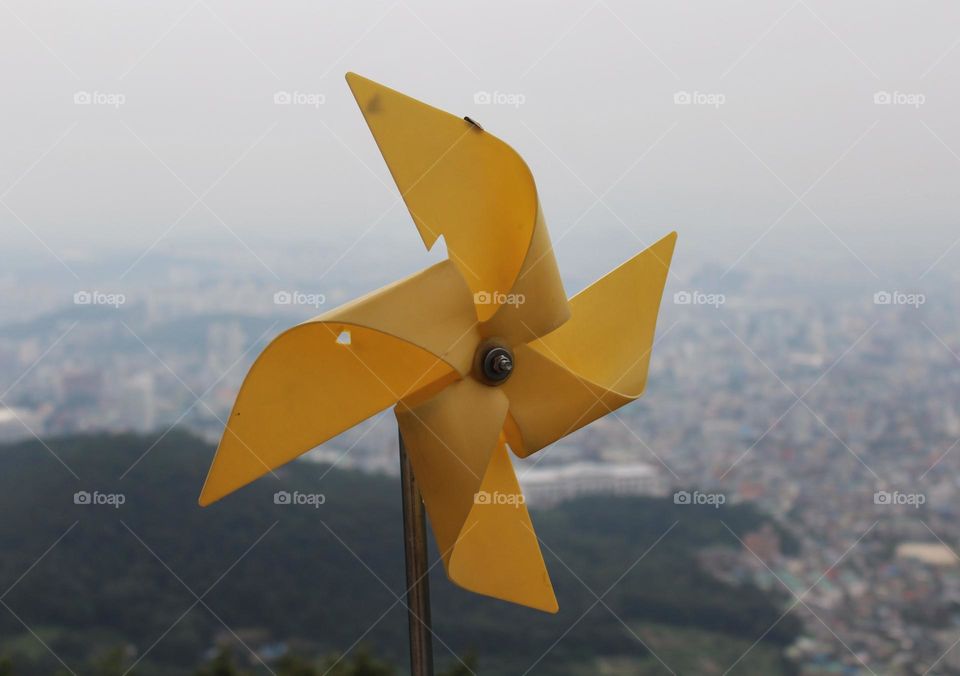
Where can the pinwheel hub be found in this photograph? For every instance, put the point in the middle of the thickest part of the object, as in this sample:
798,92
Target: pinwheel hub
494,363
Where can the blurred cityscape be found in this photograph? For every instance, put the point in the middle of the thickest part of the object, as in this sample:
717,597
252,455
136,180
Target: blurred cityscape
832,404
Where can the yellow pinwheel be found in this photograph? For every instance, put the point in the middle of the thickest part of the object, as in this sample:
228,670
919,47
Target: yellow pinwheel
479,352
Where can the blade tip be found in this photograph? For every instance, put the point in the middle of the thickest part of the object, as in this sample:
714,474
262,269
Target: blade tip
355,82
666,245
213,490
207,498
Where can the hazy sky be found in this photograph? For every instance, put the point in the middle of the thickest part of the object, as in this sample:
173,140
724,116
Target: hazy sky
782,142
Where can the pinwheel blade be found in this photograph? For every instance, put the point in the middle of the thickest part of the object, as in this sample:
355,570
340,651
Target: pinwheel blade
499,553
594,363
469,186
322,377
536,303
476,510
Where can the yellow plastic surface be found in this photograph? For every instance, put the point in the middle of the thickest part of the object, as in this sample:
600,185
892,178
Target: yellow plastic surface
469,186
471,493
596,362
414,343
310,384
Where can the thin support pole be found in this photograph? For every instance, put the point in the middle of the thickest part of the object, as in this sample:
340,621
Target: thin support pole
418,579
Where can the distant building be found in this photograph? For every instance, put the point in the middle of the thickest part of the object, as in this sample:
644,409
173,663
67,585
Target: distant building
764,543
81,388
545,486
18,423
931,553
136,406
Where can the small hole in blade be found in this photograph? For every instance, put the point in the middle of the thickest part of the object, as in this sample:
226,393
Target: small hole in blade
343,338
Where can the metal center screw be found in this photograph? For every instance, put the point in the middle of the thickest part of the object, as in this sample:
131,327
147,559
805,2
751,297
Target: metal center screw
497,364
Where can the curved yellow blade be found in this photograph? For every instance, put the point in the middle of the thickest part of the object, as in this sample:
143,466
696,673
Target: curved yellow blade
469,186
432,309
537,303
324,376
594,363
471,493
498,553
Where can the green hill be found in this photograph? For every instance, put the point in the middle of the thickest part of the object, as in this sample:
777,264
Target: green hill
88,579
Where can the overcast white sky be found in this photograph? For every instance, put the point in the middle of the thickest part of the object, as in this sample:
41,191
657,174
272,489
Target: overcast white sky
797,151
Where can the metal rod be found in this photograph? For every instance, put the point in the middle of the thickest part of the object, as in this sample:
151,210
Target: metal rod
418,579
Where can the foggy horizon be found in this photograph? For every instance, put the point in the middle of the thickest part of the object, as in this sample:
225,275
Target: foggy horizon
782,141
